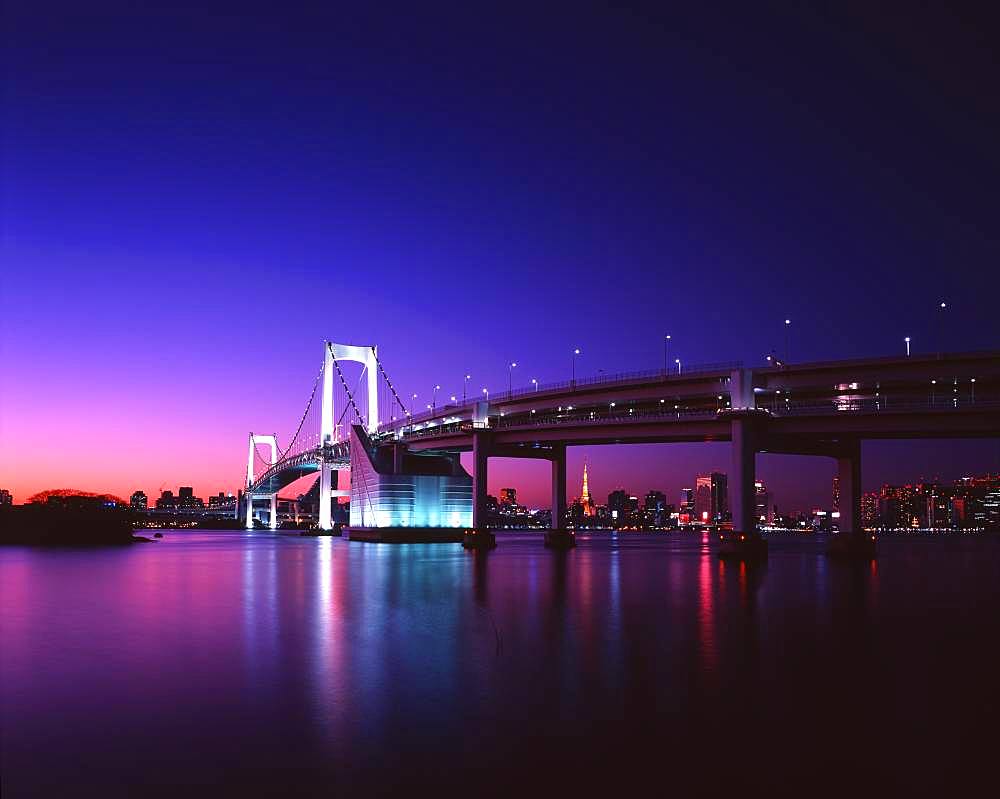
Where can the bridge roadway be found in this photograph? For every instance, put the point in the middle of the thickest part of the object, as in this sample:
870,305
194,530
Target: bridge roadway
823,409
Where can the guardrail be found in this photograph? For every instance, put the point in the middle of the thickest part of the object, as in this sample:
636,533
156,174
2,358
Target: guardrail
792,408
880,405
618,378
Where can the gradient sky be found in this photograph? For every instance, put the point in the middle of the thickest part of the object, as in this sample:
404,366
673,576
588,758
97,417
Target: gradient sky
193,200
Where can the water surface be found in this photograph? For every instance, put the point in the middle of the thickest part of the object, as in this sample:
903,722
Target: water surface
259,664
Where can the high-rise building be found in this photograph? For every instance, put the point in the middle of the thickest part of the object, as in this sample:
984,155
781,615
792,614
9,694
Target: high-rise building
654,501
622,506
836,492
187,500
508,497
762,503
685,509
869,509
166,501
138,501
711,504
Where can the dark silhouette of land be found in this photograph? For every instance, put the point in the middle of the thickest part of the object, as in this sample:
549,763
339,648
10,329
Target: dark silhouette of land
68,520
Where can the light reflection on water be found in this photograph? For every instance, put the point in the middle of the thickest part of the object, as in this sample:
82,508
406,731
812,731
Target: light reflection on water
260,661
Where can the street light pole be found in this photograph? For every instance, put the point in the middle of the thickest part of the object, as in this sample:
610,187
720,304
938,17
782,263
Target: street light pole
434,397
907,340
940,336
666,352
678,362
534,382
788,348
510,372
465,387
575,353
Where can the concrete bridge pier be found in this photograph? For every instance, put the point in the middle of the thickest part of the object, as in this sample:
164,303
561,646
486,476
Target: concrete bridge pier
744,542
559,537
852,541
479,537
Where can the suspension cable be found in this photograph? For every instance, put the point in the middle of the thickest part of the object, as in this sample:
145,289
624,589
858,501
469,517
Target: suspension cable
388,381
283,453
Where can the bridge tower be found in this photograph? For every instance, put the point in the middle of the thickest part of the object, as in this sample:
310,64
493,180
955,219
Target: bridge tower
273,444
367,356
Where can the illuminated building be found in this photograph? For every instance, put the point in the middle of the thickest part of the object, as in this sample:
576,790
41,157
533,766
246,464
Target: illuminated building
655,509
836,492
167,501
508,498
762,503
622,506
710,498
406,489
138,501
869,509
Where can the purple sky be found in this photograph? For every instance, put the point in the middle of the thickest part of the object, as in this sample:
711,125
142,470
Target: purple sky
193,202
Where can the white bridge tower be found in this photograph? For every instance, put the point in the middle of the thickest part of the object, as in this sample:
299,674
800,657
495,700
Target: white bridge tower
327,431
273,444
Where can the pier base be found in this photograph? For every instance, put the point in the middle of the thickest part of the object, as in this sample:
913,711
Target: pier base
742,546
560,539
856,546
404,535
479,539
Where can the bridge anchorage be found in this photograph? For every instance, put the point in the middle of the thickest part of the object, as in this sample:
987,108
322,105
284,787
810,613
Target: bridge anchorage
407,482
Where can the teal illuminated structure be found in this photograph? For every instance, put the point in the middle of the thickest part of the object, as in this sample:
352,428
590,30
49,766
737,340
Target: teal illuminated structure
393,487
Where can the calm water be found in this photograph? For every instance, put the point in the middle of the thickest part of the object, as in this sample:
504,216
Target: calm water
226,663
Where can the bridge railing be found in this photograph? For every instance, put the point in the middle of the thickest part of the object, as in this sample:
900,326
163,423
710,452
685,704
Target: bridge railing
883,404
566,417
790,408
618,378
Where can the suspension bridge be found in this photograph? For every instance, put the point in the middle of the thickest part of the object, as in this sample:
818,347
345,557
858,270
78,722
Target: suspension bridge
407,481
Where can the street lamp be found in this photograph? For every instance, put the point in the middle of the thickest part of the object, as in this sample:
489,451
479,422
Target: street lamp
941,320
465,386
534,382
486,391
973,391
434,397
666,351
510,372
788,349
678,362
907,340
575,353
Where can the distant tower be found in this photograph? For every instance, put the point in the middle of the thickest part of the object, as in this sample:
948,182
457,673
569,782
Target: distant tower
585,501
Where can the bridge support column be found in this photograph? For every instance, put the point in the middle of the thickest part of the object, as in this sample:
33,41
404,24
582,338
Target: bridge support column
849,474
249,522
274,511
479,537
559,537
852,541
480,459
326,480
743,475
744,542
558,487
